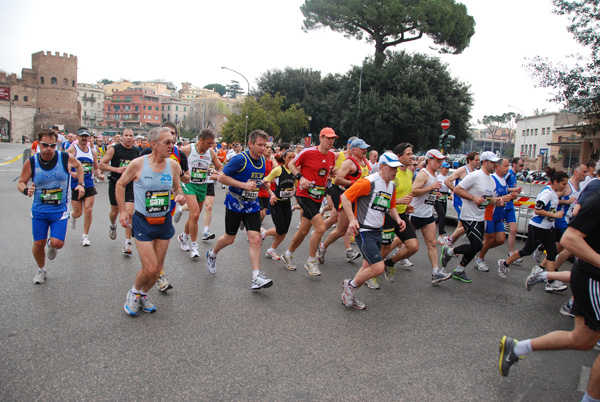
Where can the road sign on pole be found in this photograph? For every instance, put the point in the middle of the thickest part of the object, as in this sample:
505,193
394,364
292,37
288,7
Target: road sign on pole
445,124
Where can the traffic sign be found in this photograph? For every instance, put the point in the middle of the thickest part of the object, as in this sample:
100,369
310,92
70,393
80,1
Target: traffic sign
271,139
445,124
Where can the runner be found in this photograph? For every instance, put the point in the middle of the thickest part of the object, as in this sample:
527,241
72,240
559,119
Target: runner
209,201
49,172
353,168
452,181
478,192
425,191
582,238
200,157
373,197
441,204
510,217
280,199
85,154
154,177
540,228
312,168
115,161
243,174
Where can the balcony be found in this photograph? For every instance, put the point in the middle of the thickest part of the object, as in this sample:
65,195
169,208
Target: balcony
90,99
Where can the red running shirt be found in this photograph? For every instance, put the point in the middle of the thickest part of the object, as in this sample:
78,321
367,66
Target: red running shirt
315,167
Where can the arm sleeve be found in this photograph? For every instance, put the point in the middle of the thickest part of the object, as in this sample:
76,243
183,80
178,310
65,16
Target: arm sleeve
184,161
361,188
274,173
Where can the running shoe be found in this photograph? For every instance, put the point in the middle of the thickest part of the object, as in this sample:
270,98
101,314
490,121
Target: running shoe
72,222
208,236
194,251
242,227
461,276
163,283
146,305
183,240
352,255
85,241
272,255
211,263
40,277
321,253
440,276
288,261
261,282
128,249
567,308
312,268
555,286
440,240
518,261
112,231
445,256
51,252
263,235
373,283
348,297
132,303
534,277
352,239
406,262
178,214
448,242
503,269
538,255
388,273
481,265
507,355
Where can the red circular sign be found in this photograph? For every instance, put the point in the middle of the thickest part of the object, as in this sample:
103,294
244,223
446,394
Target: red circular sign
445,124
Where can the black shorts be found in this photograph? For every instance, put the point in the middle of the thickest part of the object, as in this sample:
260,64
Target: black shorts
234,218
558,232
409,232
89,192
419,223
336,193
586,292
310,207
369,244
281,213
111,192
210,189
537,235
264,202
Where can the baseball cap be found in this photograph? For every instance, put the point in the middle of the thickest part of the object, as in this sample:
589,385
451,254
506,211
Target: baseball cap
434,153
445,165
488,156
328,132
83,132
390,159
358,143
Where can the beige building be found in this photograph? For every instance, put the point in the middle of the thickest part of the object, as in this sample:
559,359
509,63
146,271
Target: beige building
175,110
91,98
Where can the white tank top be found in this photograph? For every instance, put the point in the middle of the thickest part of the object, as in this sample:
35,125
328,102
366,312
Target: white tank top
424,203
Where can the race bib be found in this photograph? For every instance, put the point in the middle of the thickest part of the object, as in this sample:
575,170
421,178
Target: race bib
51,196
157,201
124,163
198,175
382,202
443,197
286,194
250,195
387,236
87,167
317,192
486,201
431,197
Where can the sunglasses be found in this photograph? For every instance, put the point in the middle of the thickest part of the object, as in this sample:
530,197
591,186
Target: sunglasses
522,165
45,144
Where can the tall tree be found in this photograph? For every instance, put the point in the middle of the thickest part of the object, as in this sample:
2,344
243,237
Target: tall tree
234,89
391,22
220,89
577,85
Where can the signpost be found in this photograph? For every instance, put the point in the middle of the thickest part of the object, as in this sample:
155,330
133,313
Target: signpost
445,138
445,124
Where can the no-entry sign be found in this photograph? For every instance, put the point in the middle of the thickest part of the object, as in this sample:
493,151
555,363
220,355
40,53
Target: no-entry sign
445,124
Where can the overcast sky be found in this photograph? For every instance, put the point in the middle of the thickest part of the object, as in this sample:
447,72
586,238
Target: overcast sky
184,41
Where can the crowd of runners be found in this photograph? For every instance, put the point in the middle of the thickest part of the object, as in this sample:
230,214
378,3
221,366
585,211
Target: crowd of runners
378,201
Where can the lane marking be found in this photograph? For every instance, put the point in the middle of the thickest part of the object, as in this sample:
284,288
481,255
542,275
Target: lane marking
584,377
12,160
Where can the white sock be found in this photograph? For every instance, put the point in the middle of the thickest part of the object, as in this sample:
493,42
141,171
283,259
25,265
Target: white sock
587,398
523,347
113,226
128,241
43,269
544,276
451,251
312,259
195,244
459,269
135,291
271,250
255,273
288,253
212,254
206,229
435,270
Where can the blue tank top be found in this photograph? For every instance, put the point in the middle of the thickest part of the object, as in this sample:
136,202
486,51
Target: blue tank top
152,191
52,189
562,222
87,161
511,180
501,191
457,201
246,168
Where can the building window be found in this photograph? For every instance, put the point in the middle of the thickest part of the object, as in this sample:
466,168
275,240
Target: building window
25,98
548,131
534,149
16,98
155,117
169,107
536,131
65,82
543,130
184,108
137,108
73,83
176,107
156,109
53,81
42,80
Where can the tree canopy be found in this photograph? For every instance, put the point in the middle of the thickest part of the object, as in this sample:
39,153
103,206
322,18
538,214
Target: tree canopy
391,22
220,89
578,85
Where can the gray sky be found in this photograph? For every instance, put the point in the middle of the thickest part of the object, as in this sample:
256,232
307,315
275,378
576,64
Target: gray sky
184,41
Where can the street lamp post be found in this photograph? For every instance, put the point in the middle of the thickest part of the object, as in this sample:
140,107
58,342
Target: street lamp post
247,94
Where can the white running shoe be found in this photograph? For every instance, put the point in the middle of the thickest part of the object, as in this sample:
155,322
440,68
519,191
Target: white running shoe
72,222
194,251
406,262
312,268
132,303
40,277
352,255
272,255
178,214
288,261
211,263
555,286
503,269
373,283
538,255
183,240
481,265
112,231
85,241
440,240
448,242
261,282
51,251
128,249
321,253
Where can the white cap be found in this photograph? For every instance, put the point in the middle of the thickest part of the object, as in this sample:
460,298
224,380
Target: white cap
434,153
488,156
390,159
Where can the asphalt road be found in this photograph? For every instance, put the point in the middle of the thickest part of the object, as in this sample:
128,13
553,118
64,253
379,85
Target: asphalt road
214,339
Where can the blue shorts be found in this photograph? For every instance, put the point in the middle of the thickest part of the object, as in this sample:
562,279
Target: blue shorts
143,231
509,215
55,221
458,208
494,226
369,243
